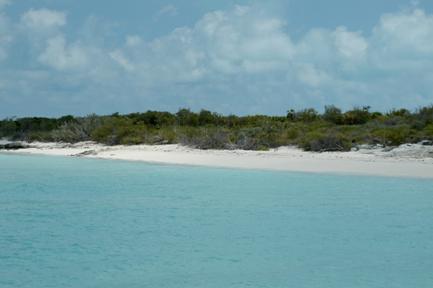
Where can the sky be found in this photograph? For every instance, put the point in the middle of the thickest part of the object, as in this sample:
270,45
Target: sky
61,57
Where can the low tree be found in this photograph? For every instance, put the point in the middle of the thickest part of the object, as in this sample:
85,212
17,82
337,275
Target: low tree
333,114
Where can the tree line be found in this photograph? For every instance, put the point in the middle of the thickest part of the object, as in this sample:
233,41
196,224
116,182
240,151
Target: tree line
332,130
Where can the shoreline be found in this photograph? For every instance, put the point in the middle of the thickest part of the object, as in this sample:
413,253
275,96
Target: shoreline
409,161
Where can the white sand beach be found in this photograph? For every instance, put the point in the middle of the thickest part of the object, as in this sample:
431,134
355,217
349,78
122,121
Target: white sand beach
410,160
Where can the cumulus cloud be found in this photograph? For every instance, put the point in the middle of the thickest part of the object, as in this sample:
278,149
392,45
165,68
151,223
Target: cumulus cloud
225,43
242,60
48,43
311,76
335,66
61,56
242,40
42,19
351,45
403,41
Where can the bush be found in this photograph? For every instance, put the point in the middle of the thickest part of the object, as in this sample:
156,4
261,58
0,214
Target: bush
167,136
395,136
331,131
357,116
399,113
333,114
428,132
323,142
306,115
425,115
117,131
187,118
206,117
8,128
153,118
245,139
39,136
206,138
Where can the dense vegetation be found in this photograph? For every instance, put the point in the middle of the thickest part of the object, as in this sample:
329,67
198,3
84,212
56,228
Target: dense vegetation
333,130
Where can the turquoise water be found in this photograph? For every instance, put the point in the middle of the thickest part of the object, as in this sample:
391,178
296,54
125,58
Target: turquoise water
68,222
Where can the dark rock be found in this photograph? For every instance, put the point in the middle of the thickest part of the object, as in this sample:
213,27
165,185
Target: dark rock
161,142
388,148
86,153
426,142
13,146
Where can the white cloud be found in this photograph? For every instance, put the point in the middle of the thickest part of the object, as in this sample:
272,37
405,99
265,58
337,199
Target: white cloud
167,10
5,33
404,36
227,53
42,19
311,76
351,45
243,41
238,41
61,56
133,40
121,60
239,60
48,44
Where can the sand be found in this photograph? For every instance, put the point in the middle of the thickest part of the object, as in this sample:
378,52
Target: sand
409,160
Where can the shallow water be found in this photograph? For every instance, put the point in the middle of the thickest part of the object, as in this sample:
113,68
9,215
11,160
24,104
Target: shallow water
68,222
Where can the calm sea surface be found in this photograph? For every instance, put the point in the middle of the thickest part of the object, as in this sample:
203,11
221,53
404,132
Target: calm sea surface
68,222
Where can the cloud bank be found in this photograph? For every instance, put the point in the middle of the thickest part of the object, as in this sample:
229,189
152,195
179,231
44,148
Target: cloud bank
236,61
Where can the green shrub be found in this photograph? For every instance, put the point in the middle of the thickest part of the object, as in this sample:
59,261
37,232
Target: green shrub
322,142
331,131
333,114
187,118
306,115
428,132
8,128
404,113
395,136
357,116
119,131
425,115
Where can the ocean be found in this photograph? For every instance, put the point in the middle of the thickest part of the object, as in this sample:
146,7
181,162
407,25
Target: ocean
72,222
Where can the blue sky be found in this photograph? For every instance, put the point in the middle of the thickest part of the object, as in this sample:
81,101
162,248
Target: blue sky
79,57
